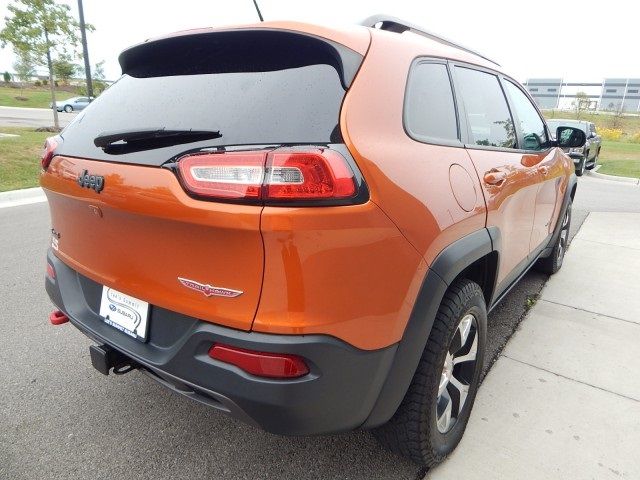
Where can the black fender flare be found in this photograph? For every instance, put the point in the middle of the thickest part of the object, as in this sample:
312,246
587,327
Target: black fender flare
449,263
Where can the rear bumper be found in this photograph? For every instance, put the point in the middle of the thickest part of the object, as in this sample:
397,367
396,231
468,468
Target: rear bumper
338,394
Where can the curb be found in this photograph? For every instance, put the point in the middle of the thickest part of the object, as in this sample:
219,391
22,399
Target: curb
613,178
25,196
2,107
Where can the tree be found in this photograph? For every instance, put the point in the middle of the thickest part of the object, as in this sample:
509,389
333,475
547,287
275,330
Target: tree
99,84
581,104
41,29
6,77
64,68
24,69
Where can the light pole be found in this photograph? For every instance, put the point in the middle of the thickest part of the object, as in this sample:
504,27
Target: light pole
85,51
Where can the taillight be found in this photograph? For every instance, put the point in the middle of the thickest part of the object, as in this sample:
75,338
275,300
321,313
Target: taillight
50,144
261,364
308,175
278,176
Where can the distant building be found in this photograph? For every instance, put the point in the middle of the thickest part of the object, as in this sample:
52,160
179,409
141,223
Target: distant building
621,92
611,94
545,91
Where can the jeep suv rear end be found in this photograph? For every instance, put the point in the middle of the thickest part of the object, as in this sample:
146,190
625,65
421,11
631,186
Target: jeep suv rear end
253,217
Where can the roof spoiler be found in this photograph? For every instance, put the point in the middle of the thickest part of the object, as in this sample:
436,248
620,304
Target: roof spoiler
239,50
393,24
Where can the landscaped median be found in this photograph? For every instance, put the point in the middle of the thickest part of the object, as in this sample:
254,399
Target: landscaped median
20,157
620,159
30,96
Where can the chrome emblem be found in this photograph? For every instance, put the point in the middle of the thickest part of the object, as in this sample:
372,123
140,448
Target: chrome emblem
209,290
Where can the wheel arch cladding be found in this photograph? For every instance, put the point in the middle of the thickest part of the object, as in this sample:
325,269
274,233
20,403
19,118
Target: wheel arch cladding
453,261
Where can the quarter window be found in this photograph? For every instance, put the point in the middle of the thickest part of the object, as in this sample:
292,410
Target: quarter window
532,126
486,109
429,108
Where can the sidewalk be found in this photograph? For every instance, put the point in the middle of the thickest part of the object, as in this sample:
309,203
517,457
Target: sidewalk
563,399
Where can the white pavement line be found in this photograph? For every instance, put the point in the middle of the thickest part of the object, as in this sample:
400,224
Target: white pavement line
531,424
26,196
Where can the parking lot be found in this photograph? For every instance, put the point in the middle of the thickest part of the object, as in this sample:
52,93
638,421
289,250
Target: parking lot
61,417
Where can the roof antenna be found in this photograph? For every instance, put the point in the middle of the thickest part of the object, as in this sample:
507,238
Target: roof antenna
258,10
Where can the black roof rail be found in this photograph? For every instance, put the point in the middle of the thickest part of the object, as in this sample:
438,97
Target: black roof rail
393,24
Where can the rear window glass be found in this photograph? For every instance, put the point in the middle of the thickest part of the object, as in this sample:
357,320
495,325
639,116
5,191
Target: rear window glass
297,105
429,108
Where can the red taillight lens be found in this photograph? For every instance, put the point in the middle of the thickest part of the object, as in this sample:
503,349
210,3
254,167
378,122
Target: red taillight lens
261,364
279,176
308,175
51,272
50,144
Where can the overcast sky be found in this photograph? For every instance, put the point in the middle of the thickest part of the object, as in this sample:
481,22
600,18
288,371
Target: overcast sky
575,40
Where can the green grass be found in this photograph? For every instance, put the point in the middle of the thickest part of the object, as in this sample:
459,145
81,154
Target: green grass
35,97
20,158
620,158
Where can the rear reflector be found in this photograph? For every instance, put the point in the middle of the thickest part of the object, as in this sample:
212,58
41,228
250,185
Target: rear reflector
58,318
50,144
261,364
280,176
51,272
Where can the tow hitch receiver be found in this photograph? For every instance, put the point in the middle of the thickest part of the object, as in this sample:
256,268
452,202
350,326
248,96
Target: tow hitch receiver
104,358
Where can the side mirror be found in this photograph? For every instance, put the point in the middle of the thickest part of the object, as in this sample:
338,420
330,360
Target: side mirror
569,137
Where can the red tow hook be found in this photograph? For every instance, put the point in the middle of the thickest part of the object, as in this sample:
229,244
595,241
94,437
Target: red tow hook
58,318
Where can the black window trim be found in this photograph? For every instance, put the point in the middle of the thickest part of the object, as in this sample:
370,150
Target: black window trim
467,137
423,138
501,76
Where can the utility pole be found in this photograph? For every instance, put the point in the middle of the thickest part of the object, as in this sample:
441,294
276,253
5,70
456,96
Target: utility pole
85,51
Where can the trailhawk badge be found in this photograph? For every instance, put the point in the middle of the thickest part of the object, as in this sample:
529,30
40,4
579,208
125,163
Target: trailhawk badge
209,290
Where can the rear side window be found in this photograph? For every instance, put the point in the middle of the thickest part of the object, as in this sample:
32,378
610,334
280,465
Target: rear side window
486,109
533,131
429,108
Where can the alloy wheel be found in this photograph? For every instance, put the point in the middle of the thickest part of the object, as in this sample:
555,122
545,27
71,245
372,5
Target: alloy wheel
564,236
457,373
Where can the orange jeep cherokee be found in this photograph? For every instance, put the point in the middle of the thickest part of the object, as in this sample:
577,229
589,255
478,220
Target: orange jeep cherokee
305,227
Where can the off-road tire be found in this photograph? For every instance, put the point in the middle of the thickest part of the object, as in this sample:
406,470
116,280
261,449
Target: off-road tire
413,431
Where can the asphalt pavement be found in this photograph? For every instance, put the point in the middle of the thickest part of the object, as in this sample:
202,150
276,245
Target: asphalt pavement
59,418
32,117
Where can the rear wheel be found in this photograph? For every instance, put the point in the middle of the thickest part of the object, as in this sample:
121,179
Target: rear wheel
433,415
68,108
553,262
580,167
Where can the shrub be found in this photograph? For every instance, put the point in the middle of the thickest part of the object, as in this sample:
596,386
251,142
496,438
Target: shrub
613,134
7,77
635,138
37,83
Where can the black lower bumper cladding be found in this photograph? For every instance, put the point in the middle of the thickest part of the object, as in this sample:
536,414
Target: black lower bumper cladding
338,394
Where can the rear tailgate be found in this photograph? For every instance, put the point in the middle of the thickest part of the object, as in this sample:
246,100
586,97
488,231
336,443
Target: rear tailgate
142,233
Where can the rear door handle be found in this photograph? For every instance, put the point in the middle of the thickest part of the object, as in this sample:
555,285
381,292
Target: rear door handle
495,177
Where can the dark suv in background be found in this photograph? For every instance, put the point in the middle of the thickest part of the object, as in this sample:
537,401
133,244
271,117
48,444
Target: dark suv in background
584,158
